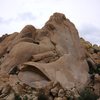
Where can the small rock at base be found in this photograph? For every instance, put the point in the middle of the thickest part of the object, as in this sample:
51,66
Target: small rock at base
61,93
59,98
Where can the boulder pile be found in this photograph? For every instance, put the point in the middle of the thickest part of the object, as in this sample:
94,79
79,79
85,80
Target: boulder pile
93,59
48,63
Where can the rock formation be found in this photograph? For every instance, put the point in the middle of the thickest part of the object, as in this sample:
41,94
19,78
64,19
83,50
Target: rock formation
93,59
41,58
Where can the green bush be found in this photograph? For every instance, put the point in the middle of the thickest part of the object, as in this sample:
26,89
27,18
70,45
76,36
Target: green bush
98,69
17,97
87,94
42,96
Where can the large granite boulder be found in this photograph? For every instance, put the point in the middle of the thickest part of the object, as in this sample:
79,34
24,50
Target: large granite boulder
52,53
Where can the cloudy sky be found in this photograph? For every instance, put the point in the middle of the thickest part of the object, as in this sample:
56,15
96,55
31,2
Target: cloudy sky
85,14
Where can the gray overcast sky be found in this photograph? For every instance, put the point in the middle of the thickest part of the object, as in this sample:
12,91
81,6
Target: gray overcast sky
85,14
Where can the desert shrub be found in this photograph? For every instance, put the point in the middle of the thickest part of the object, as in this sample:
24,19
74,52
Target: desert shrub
98,69
42,96
17,97
70,98
87,94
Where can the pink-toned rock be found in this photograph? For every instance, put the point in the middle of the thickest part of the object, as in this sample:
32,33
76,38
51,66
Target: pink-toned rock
70,68
52,53
6,42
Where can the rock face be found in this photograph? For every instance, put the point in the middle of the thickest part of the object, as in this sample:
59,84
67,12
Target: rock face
93,58
39,56
92,50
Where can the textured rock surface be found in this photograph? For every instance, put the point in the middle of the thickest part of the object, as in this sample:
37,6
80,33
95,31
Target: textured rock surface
93,59
37,59
66,65
93,51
